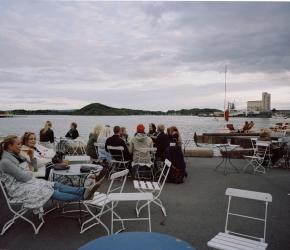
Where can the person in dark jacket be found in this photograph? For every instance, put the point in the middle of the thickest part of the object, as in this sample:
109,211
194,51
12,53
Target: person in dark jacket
116,141
73,132
162,142
175,155
46,133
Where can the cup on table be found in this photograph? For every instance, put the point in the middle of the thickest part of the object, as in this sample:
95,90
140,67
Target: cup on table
229,141
66,162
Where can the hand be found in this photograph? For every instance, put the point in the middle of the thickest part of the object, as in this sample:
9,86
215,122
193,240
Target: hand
30,153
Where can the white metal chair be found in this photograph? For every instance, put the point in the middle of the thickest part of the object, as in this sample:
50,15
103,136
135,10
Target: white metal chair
71,147
261,151
154,187
116,197
230,240
18,211
118,161
99,205
147,167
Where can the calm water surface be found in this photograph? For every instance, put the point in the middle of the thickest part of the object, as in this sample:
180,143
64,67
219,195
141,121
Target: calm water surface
186,124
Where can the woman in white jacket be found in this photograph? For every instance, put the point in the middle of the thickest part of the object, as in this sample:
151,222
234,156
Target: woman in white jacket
34,152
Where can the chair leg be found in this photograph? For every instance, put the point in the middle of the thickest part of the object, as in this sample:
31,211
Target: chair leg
19,214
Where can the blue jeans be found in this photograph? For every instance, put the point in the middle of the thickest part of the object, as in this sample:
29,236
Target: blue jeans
67,193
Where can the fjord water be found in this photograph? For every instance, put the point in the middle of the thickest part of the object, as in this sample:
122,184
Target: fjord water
186,124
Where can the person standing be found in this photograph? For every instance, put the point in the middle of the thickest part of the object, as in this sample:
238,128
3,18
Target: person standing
162,142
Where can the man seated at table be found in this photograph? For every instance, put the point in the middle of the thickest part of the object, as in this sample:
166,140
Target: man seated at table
116,141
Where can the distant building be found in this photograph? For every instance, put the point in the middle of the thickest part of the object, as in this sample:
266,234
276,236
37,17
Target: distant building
260,106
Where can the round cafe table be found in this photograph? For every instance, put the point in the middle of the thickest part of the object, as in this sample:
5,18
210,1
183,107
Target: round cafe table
137,240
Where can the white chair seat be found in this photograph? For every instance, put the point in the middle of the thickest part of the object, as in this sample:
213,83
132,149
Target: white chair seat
146,185
232,242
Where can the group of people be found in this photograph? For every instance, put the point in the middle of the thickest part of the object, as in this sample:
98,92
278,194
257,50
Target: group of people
19,159
134,147
246,128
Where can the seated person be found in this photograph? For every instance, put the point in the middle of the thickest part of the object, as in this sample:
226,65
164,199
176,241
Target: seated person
230,127
124,135
247,127
152,132
115,140
93,137
104,135
139,141
73,132
175,155
162,142
33,192
32,152
46,135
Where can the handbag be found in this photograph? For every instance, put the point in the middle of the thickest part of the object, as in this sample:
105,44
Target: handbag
58,157
60,166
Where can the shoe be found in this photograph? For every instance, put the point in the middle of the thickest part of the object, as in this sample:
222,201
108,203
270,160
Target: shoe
90,190
97,175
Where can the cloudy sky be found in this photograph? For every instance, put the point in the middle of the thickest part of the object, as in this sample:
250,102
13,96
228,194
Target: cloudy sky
145,55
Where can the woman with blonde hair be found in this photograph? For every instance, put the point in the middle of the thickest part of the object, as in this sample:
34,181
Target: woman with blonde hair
104,135
93,137
46,135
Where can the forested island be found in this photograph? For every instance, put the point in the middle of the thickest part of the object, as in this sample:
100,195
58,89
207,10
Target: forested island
100,109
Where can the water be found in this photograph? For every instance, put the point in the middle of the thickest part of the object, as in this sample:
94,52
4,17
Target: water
187,125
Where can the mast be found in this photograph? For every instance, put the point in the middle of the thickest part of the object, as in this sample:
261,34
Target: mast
225,106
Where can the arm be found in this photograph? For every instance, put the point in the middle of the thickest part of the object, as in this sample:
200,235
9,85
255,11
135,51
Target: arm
14,170
51,136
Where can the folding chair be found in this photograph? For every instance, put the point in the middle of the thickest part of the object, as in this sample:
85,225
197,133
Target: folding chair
118,161
154,187
142,167
260,156
230,240
18,210
100,204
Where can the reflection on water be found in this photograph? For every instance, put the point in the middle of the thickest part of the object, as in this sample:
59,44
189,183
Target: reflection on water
186,124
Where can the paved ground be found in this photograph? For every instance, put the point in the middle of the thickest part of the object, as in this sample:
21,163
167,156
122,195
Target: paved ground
196,212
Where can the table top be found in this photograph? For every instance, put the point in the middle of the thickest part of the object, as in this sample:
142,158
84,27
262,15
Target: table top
75,169
137,240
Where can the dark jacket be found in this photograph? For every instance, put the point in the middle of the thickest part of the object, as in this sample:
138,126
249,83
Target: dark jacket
162,142
72,133
48,136
116,141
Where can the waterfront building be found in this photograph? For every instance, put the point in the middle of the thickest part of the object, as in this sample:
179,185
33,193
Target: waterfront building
263,105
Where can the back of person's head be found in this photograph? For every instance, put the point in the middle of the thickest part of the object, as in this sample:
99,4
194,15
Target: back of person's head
140,128
7,141
160,128
47,125
25,137
265,135
117,130
97,129
74,125
123,130
168,131
105,132
174,129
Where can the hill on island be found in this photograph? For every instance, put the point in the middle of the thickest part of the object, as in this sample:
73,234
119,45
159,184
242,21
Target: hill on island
102,110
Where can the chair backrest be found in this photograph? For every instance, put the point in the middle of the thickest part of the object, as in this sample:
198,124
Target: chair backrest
262,148
122,176
246,194
117,153
144,154
5,193
164,174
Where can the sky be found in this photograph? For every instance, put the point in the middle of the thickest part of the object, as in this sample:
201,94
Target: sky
143,55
